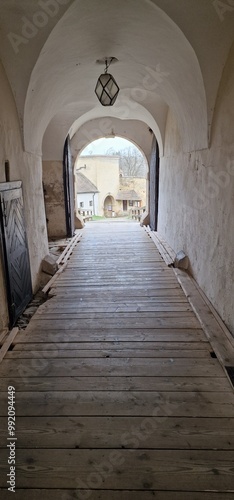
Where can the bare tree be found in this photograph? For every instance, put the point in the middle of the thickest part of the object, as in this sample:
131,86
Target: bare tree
132,162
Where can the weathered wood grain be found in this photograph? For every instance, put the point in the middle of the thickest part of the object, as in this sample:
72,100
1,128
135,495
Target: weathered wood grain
144,469
132,403
67,323
166,367
121,383
72,494
39,334
178,347
113,432
105,353
222,342
117,362
7,343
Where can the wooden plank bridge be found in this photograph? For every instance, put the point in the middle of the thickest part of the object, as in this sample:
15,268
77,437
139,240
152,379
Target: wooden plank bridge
118,395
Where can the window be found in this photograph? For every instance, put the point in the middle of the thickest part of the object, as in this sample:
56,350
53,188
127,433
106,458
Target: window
131,203
90,203
81,204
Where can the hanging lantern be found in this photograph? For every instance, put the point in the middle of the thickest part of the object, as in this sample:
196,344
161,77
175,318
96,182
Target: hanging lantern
106,89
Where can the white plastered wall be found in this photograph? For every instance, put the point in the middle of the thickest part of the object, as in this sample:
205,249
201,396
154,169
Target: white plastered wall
196,202
54,198
103,171
25,167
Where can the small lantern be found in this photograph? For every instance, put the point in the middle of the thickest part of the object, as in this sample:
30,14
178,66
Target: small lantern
106,89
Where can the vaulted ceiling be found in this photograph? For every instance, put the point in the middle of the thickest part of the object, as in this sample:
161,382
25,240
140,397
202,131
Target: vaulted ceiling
171,54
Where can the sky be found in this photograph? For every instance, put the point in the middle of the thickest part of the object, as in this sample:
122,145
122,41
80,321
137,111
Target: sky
101,146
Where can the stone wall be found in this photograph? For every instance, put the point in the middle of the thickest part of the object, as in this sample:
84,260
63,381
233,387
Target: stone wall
27,168
197,201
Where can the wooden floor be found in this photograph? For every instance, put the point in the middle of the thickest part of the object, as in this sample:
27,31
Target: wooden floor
118,396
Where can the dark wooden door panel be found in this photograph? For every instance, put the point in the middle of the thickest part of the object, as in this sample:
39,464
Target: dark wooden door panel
154,185
15,252
68,179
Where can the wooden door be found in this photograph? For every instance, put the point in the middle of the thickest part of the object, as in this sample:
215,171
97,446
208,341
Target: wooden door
68,179
14,249
125,205
154,185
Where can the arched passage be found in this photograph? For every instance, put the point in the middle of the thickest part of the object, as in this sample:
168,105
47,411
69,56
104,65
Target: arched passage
147,89
137,132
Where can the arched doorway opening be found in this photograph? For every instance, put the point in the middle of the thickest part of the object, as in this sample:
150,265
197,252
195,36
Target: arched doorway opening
109,207
118,171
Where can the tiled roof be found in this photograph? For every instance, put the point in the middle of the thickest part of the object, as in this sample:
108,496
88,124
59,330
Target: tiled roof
84,185
128,195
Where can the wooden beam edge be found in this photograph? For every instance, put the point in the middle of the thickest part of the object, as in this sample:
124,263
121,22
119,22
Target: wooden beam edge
161,246
70,244
216,331
167,247
62,261
71,248
54,278
3,334
8,341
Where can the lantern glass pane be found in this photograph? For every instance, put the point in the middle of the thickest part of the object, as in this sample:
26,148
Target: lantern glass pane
106,89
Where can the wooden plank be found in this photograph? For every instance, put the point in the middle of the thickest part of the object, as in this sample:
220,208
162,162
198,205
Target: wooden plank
139,300
121,287
54,278
146,265
67,256
3,335
67,251
119,277
84,346
71,494
190,470
162,250
101,294
179,433
98,306
134,403
109,315
222,343
126,353
121,383
7,343
114,308
115,323
181,367
166,246
89,272
7,186
39,334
